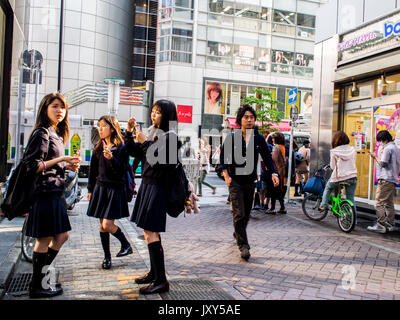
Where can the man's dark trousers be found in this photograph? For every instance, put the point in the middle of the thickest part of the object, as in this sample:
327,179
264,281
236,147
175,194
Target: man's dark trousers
242,203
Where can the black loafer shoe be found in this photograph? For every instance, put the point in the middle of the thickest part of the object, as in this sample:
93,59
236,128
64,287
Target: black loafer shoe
125,251
106,263
148,278
282,211
44,293
151,289
244,253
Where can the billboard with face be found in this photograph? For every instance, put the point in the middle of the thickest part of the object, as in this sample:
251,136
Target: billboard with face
214,98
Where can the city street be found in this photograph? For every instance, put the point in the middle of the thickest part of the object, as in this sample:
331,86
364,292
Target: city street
292,258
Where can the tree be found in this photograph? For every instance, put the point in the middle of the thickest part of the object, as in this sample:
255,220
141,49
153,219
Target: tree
266,110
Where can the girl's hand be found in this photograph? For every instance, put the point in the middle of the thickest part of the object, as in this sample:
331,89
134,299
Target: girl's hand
131,124
141,137
89,196
71,160
106,151
73,167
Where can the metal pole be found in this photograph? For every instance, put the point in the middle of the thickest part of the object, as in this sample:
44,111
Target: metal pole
18,137
290,162
36,89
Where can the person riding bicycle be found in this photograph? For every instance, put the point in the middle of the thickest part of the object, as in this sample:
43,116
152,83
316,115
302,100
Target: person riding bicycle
344,170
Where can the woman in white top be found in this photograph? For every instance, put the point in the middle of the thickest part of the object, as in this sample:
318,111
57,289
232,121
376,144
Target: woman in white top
204,156
343,165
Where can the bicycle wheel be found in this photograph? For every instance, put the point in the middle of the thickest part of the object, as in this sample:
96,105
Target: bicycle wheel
310,205
347,221
27,243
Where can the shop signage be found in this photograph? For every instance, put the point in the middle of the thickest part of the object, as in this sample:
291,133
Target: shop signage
375,37
356,41
185,114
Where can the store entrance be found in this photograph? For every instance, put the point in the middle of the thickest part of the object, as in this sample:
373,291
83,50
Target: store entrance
358,127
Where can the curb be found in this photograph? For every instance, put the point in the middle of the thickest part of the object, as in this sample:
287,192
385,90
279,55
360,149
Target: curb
8,266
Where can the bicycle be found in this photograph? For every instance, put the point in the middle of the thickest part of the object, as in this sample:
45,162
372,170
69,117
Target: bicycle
27,243
343,209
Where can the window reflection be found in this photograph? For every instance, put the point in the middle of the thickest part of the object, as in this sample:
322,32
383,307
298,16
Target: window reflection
285,17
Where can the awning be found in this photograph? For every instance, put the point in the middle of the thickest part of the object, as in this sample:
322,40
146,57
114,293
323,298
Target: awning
283,126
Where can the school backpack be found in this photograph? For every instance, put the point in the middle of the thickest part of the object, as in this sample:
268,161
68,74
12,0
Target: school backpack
20,189
130,183
178,191
299,158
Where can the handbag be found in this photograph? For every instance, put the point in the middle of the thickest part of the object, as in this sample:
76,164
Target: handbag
315,185
20,190
178,191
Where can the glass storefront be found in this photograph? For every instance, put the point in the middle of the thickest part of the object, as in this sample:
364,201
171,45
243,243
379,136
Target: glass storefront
363,124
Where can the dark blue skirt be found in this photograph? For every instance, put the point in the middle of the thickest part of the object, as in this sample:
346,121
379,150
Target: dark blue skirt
108,203
47,216
150,211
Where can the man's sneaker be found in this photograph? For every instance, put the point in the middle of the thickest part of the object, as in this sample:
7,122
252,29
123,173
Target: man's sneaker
377,228
244,253
389,227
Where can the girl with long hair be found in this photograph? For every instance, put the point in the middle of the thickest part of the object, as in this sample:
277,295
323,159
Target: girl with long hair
150,211
48,220
106,193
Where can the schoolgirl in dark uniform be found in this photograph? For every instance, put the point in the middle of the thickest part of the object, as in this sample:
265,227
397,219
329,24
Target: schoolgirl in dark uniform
106,193
48,220
149,212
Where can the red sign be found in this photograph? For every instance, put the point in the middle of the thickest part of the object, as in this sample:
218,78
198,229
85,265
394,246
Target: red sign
185,114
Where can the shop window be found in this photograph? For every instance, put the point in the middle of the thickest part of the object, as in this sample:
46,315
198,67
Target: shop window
151,47
165,43
247,24
246,38
220,35
181,44
306,33
139,46
304,60
165,28
183,13
390,87
282,57
244,57
283,29
153,7
183,29
219,49
305,20
220,19
163,56
221,6
365,91
139,60
181,57
264,59
141,19
223,62
141,6
138,73
140,32
184,3
284,17
265,14
247,11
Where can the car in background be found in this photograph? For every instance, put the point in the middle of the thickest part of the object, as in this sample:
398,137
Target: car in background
299,137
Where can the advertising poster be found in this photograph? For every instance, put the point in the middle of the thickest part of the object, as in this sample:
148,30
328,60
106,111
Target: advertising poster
382,124
306,102
214,98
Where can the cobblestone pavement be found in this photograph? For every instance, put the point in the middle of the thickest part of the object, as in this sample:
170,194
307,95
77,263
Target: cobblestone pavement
291,258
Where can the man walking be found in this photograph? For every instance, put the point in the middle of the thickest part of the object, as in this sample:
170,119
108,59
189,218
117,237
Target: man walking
238,160
387,174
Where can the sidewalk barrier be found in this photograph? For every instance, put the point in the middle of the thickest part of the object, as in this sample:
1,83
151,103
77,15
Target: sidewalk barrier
192,171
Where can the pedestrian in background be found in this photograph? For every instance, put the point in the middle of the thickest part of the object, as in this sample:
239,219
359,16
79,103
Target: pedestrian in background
387,174
344,170
266,180
150,211
106,186
241,183
278,157
302,167
204,156
48,220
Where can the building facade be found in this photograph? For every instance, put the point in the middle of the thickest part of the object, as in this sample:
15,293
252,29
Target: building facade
144,42
232,47
357,83
14,21
81,41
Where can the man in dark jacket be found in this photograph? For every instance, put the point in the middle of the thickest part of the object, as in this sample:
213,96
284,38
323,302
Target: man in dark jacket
238,160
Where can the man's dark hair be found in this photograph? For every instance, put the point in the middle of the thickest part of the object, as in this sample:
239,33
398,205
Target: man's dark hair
279,138
306,141
242,110
384,135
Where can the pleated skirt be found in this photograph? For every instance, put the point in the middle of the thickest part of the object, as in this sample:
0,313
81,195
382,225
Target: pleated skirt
108,203
150,210
48,216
